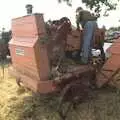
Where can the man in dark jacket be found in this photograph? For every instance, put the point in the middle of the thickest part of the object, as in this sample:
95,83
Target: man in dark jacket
89,25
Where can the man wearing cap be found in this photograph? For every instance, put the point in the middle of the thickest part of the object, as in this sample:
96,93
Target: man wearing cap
89,25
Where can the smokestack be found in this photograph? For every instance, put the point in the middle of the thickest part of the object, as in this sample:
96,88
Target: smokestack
29,9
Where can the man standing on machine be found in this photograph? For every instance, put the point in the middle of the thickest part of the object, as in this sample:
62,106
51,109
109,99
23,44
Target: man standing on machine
89,25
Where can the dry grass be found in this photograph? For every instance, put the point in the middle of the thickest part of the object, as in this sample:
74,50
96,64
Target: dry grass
19,104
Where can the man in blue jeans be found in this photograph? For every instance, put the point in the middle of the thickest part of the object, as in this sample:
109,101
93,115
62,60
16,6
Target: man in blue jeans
89,25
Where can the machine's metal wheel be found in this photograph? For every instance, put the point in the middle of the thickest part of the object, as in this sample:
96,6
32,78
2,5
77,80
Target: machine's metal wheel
61,107
74,93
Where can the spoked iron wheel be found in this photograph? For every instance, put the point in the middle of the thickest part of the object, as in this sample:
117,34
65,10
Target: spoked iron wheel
74,93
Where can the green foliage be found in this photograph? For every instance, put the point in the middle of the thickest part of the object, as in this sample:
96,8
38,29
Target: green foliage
69,2
97,5
5,37
114,29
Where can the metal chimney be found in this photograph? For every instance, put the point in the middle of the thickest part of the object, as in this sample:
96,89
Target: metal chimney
29,9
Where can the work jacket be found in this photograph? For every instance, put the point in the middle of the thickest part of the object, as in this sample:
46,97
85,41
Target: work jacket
84,16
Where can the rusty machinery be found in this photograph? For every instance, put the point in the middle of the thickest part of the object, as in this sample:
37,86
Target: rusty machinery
33,53
38,53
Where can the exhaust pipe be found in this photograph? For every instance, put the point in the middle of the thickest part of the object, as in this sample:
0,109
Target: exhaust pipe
29,8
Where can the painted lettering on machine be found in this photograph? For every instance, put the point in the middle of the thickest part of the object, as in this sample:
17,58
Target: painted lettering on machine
20,51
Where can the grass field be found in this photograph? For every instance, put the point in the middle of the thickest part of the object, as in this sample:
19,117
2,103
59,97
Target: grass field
19,104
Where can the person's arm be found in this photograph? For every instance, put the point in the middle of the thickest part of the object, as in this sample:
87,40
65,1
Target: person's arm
78,21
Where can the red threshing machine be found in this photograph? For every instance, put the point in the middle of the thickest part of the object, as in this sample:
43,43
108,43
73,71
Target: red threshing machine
37,55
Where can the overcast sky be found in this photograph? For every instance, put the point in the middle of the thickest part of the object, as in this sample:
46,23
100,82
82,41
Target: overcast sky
10,9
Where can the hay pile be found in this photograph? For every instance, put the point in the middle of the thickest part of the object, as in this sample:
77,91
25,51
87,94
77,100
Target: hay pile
19,104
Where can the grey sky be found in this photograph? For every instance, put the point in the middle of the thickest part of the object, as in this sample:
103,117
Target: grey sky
10,9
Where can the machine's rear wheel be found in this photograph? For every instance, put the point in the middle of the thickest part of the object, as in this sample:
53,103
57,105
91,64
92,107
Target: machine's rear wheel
73,94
